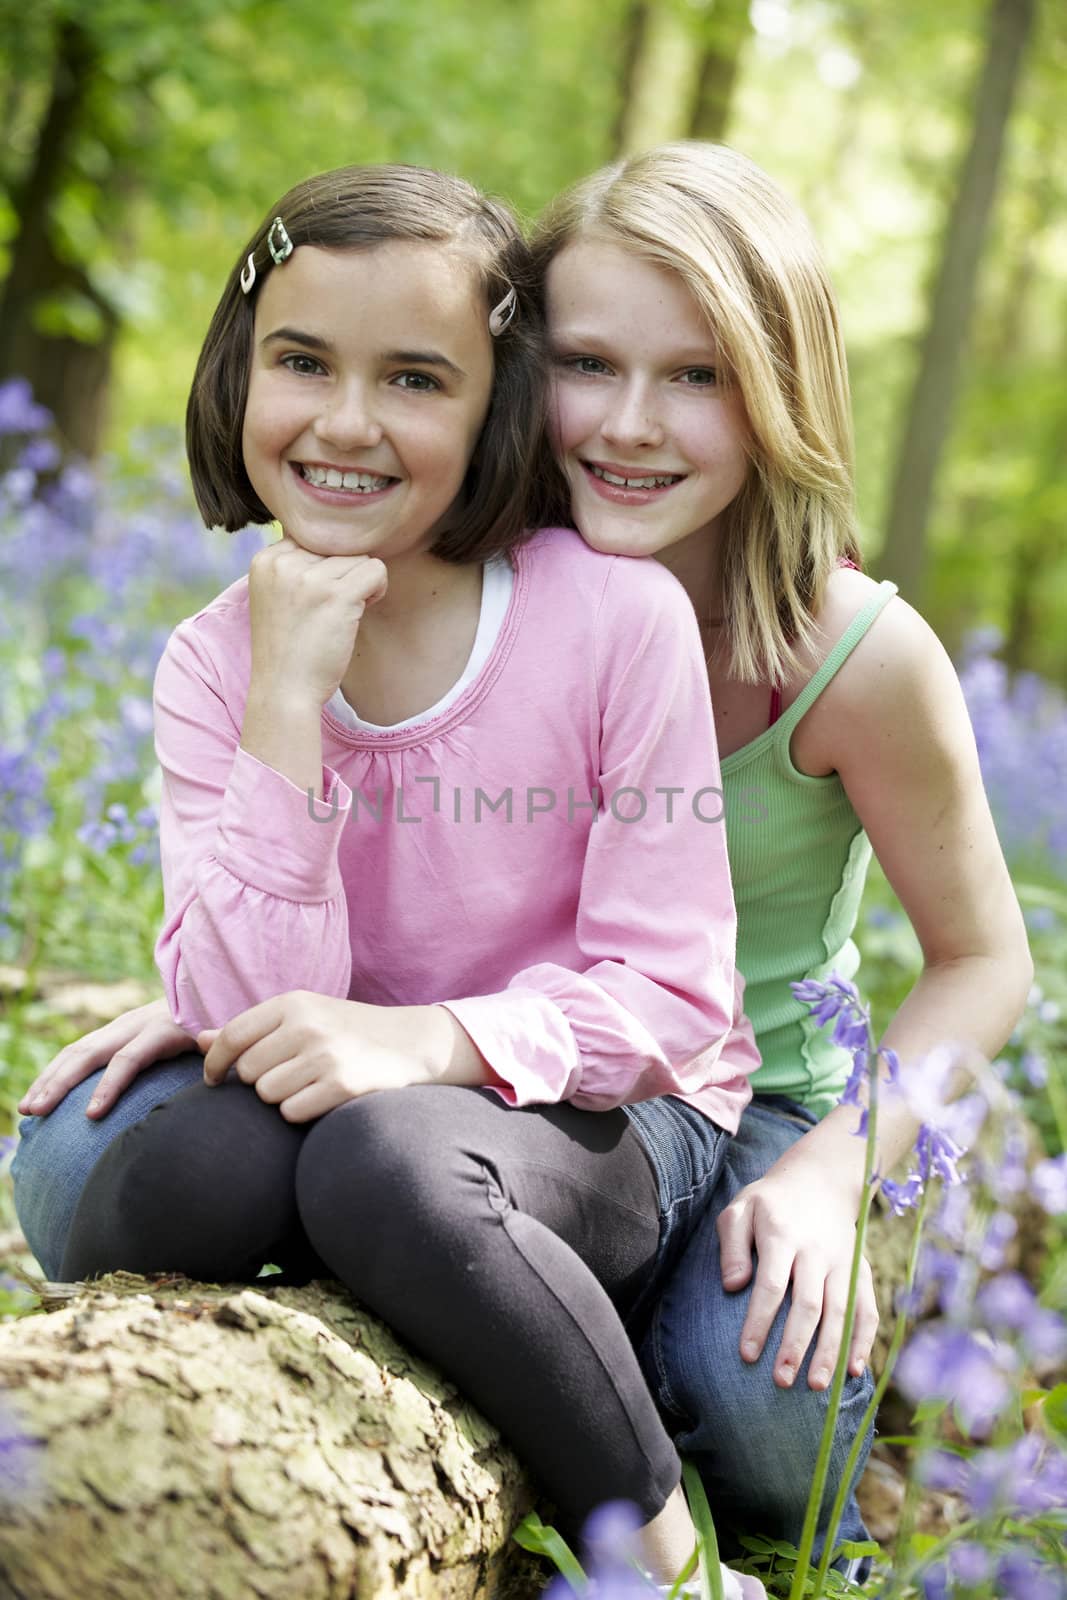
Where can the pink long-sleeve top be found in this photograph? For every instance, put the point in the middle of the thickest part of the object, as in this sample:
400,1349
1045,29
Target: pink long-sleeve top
588,951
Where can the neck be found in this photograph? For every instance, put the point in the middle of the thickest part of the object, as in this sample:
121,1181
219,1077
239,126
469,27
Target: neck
695,562
421,586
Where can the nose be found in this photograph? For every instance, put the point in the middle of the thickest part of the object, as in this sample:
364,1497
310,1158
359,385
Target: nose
633,418
348,421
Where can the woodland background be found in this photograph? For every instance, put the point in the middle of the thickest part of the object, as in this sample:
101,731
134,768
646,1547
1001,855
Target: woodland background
140,142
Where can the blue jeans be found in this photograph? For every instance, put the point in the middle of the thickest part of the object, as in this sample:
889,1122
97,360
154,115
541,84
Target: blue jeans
55,1154
754,1444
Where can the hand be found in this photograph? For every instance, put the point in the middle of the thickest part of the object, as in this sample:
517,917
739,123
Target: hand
305,612
802,1229
307,1053
133,1041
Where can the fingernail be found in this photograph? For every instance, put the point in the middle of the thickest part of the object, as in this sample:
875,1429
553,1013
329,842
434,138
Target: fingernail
820,1378
750,1349
95,1104
786,1373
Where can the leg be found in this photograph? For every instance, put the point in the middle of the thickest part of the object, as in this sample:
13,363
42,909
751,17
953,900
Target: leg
504,1245
754,1444
56,1154
204,1185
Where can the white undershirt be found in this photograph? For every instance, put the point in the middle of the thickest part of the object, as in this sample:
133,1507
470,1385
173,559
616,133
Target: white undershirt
498,578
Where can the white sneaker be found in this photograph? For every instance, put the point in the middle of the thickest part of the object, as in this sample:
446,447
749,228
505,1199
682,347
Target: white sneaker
735,1586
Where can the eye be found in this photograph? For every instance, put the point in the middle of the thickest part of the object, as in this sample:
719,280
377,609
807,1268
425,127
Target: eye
419,382
303,365
585,366
700,377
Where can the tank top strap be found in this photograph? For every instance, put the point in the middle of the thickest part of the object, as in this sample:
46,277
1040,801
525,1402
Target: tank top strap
857,628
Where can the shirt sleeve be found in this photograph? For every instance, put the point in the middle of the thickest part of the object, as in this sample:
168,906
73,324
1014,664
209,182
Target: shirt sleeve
254,905
657,1000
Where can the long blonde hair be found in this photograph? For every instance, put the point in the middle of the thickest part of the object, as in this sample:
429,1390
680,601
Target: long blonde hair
746,254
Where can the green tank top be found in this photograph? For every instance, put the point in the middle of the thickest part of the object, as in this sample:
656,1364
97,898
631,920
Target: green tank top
798,859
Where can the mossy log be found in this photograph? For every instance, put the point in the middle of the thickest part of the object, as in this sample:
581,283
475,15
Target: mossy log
213,1443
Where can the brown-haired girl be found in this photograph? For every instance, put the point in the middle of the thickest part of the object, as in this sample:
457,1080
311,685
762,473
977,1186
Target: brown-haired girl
444,870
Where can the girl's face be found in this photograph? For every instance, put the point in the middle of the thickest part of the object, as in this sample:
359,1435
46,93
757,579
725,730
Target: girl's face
370,381
653,448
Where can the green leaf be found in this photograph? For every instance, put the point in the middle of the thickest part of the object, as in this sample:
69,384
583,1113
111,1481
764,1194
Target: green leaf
1054,1410
700,1511
541,1540
852,1549
927,1410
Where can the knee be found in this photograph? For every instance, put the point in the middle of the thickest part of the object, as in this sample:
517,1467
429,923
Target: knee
377,1169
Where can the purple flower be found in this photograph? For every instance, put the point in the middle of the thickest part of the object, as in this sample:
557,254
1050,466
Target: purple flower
1048,1184
19,412
998,1236
1024,1577
1007,1302
902,1196
970,1564
942,1362
935,1582
938,1155
20,1458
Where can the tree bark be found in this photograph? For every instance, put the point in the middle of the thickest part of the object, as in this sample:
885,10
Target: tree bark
70,376
190,1442
931,405
726,31
634,33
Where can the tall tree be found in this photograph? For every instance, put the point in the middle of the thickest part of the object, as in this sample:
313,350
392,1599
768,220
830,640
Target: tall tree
69,372
931,405
634,34
725,32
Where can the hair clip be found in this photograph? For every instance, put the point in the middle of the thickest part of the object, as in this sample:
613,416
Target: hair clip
280,246
278,242
501,314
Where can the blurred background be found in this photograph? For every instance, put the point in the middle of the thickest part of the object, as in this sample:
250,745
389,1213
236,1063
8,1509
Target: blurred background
142,142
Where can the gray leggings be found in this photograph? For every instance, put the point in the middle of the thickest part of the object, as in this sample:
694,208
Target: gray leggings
507,1246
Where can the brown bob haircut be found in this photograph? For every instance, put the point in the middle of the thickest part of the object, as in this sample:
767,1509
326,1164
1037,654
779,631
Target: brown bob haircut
357,208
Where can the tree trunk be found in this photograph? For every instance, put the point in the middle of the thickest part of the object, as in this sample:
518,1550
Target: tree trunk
634,33
190,1442
725,34
69,375
929,414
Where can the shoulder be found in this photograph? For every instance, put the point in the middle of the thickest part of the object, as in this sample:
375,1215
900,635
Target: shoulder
897,689
898,652
562,555
214,640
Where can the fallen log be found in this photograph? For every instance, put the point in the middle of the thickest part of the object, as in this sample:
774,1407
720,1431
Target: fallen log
186,1442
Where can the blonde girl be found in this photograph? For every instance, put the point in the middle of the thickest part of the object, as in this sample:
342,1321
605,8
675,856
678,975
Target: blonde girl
701,416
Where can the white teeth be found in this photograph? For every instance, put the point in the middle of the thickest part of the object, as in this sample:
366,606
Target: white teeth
331,478
662,482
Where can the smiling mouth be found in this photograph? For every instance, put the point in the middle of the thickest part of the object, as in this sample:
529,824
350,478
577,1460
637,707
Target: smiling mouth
354,483
660,480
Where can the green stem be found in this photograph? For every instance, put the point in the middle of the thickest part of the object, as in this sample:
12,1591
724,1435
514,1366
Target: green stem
826,1443
899,1329
1057,1098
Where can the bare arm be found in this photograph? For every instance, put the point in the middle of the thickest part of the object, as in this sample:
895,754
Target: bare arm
898,733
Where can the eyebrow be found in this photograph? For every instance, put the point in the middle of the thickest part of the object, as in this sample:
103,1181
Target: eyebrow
417,358
564,337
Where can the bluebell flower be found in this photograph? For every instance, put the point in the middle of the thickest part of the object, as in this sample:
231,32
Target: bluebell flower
942,1362
1048,1184
902,1197
1025,1577
19,412
1000,1231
